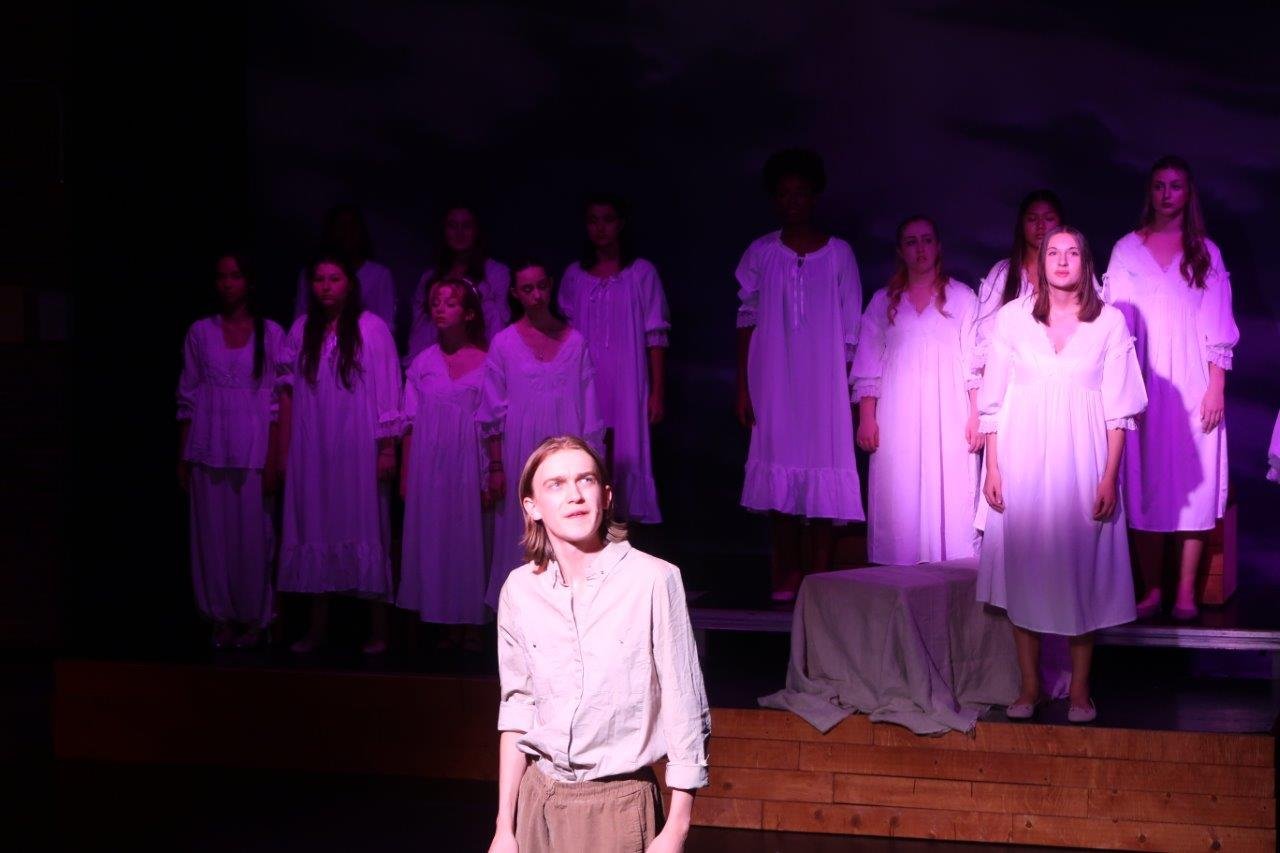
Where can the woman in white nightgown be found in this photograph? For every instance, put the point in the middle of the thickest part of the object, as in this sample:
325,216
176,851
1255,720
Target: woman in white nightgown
916,392
340,417
346,234
443,570
227,411
538,382
801,301
462,255
616,300
1169,281
1062,386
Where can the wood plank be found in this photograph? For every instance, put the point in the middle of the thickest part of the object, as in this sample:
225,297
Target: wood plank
1074,741
1037,770
783,725
763,754
1167,807
1137,835
888,822
1161,776
747,784
924,763
959,795
735,814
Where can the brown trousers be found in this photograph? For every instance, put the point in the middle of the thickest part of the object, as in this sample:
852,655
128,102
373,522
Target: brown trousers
622,814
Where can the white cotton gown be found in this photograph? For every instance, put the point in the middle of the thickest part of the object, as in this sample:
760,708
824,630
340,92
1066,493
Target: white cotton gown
622,317
525,401
1175,472
336,523
493,289
923,483
1044,559
377,292
230,413
1273,453
442,567
805,311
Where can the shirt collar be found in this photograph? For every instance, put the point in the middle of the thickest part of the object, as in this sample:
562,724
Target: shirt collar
604,563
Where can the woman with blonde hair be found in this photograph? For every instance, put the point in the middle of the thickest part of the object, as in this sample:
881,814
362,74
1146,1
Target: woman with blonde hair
916,391
599,674
1168,279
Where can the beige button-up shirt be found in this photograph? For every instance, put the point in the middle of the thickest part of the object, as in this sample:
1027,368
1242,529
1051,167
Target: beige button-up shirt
605,681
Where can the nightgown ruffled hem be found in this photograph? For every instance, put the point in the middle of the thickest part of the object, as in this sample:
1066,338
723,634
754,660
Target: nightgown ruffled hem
361,569
830,493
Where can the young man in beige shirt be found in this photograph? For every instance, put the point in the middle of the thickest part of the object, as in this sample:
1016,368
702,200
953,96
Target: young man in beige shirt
600,676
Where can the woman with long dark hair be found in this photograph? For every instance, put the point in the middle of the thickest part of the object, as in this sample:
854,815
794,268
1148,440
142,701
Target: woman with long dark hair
1061,389
1168,279
916,391
616,300
227,413
340,417
463,255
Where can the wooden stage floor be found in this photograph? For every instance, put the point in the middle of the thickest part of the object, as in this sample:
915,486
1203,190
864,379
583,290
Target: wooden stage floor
1009,783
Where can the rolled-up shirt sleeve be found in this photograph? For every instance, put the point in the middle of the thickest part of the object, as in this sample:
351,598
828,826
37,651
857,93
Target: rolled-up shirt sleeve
684,715
516,707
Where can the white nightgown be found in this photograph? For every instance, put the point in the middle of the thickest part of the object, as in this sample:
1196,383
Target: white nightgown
336,522
443,570
805,311
1175,472
923,481
1044,559
230,414
525,401
1273,453
621,317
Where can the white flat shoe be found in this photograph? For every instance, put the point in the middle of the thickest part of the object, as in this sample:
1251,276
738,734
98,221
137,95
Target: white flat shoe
1082,715
1022,710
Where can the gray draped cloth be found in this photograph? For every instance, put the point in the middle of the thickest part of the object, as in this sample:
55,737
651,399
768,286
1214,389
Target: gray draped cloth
903,644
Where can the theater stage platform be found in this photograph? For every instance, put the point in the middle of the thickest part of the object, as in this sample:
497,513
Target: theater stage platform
1167,787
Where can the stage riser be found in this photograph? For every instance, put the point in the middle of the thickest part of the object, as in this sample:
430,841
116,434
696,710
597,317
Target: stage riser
1011,783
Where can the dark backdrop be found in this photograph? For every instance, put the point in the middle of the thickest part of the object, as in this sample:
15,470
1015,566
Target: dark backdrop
251,121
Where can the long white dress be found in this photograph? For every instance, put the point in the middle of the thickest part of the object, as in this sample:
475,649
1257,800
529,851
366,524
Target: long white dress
524,401
377,292
442,568
622,317
230,415
1273,453
1175,472
336,522
923,483
1044,559
805,311
493,290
